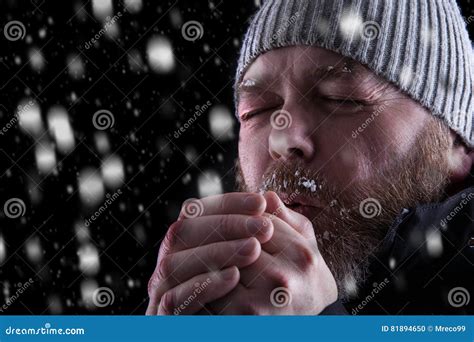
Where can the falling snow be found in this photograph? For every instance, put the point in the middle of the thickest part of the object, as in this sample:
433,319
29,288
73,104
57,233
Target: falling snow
78,233
98,192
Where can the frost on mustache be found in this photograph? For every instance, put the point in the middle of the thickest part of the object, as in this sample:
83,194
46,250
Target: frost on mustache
303,182
308,183
281,183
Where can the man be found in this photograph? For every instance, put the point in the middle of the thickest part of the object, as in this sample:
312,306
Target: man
355,154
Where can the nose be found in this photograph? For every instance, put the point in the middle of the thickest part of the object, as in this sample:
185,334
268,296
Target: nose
289,137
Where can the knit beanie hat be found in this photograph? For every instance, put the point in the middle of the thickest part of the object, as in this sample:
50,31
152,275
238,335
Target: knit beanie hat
421,46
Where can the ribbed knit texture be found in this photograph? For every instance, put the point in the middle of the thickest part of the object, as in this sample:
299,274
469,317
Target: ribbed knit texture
422,46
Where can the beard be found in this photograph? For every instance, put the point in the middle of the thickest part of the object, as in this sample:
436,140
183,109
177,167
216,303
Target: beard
355,220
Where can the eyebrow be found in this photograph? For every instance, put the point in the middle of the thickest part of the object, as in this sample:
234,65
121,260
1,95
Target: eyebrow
252,85
319,74
334,72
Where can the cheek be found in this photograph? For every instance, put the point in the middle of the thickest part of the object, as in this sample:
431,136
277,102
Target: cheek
342,158
401,135
390,138
254,157
345,165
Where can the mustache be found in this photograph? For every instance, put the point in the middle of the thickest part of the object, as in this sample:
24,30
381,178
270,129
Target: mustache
298,179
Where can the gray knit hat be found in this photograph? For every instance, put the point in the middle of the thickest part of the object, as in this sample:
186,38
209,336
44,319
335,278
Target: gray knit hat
422,46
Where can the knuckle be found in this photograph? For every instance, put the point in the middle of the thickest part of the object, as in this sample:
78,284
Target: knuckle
167,303
307,226
225,222
165,268
224,203
170,238
305,257
225,228
153,283
212,255
280,279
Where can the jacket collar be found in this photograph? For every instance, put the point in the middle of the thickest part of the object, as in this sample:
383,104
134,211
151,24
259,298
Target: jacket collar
435,215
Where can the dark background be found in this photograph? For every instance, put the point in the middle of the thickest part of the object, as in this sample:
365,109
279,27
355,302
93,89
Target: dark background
50,243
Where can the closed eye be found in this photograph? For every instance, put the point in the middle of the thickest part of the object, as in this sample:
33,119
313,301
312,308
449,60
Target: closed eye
345,101
256,112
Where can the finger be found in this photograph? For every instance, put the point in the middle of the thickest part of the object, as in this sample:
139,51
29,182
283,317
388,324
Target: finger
173,268
191,296
189,233
290,247
179,267
284,237
256,274
299,222
231,203
156,288
152,308
241,301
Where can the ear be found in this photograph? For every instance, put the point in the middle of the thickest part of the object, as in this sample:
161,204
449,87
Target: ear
461,159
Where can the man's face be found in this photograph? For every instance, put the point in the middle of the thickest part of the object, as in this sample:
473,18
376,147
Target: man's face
339,145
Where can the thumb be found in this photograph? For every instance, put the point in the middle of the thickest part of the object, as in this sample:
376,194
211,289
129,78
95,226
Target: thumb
300,223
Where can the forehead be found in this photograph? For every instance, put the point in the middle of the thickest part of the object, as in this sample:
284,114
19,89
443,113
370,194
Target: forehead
303,62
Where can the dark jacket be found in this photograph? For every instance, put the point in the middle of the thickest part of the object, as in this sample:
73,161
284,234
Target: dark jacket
425,265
